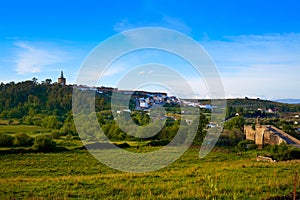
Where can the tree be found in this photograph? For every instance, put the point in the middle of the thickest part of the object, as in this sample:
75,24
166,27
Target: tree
28,120
235,136
51,122
44,143
201,132
22,139
48,81
236,122
6,140
69,126
14,113
287,128
34,80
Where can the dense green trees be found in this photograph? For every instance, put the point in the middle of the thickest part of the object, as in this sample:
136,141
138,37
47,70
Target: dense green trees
233,131
236,122
49,105
24,98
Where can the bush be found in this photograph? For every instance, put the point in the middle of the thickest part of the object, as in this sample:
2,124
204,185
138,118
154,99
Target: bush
51,122
56,134
223,140
246,145
69,137
6,140
24,140
284,152
44,143
252,146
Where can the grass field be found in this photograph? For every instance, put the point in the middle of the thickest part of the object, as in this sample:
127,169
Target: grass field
30,130
77,175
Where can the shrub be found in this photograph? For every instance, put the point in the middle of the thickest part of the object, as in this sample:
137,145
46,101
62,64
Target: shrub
252,146
69,137
284,152
56,134
22,139
44,143
6,140
246,145
51,122
223,140
28,120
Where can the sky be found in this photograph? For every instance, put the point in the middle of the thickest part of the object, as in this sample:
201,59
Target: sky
255,45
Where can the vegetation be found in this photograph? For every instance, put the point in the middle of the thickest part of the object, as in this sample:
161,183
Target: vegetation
6,140
44,143
282,152
77,175
36,119
24,140
252,108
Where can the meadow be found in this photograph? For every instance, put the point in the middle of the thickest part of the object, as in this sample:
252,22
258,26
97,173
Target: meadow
78,175
30,130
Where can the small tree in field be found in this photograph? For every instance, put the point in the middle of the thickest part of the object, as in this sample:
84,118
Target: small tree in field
22,139
6,140
44,143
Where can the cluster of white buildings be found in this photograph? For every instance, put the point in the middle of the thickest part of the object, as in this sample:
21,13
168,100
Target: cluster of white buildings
154,99
196,104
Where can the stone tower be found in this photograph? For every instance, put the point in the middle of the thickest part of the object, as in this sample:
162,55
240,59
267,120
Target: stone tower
61,80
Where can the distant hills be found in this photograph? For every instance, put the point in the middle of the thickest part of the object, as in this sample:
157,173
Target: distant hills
288,101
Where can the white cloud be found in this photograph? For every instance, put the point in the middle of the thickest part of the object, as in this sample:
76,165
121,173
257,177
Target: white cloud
32,57
258,65
165,22
265,66
111,71
123,25
176,24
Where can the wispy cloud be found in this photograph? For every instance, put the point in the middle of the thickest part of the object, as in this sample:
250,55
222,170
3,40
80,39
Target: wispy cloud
165,22
123,25
176,24
32,57
242,52
258,65
113,71
265,66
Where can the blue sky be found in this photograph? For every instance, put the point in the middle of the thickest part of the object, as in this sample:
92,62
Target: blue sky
254,44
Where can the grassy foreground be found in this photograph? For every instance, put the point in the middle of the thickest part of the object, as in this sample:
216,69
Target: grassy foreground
77,175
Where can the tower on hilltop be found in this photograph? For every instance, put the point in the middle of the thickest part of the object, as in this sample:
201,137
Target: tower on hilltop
61,80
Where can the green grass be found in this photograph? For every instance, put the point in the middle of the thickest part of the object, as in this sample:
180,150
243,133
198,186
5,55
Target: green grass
30,130
68,143
77,175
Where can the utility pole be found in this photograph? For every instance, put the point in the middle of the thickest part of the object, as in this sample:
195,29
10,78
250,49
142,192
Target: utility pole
295,186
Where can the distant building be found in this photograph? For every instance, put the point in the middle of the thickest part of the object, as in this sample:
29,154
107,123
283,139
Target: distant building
270,110
61,80
103,89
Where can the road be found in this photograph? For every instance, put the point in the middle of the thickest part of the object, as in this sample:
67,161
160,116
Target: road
285,137
288,138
